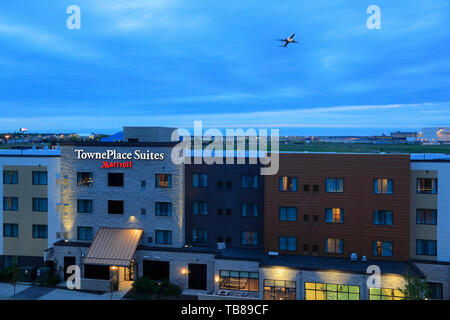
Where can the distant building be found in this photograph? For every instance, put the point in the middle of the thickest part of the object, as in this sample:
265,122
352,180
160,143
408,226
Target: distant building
435,135
403,135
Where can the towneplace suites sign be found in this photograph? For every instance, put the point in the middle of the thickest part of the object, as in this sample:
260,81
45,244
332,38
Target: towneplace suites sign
109,157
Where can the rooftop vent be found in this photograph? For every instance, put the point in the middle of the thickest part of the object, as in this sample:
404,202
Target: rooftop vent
221,245
353,257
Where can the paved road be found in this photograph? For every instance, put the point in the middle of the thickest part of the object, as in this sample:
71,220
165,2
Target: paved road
33,293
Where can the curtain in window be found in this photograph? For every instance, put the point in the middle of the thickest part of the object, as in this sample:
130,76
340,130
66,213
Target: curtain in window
195,180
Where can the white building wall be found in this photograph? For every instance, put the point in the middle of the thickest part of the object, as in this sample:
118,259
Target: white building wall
443,206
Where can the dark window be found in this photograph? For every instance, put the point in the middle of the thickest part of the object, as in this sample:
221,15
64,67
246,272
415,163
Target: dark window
334,215
163,209
115,179
426,186
288,184
84,233
133,139
115,206
219,212
306,188
40,204
229,185
143,183
426,247
249,182
279,290
39,177
228,241
84,206
334,185
305,247
426,216
249,209
249,238
163,180
239,280
199,236
287,244
383,186
382,217
435,290
143,211
382,248
163,237
84,179
288,213
315,248
200,207
199,180
305,218
333,245
316,188
229,212
219,239
315,218
10,203
219,184
10,230
10,177
40,231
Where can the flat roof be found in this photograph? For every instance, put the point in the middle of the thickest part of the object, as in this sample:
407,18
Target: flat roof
119,144
30,153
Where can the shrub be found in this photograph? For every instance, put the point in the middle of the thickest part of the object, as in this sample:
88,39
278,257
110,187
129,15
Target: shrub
148,285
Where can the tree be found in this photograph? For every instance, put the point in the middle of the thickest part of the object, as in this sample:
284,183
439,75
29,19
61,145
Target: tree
415,288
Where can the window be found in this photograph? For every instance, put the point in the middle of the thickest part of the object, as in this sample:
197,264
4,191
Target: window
199,180
315,248
229,185
39,177
288,213
249,238
249,209
426,247
383,186
84,179
279,290
329,291
334,185
9,261
426,186
382,248
305,218
385,294
287,244
10,203
199,235
316,188
382,217
305,247
10,177
229,212
288,184
143,211
163,237
219,185
84,206
40,204
143,184
200,207
334,245
239,280
10,230
306,188
115,206
334,215
315,218
115,179
249,182
219,212
435,290
426,216
163,181
228,241
40,231
163,209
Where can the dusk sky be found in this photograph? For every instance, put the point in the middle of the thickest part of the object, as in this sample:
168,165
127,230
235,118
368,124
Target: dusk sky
170,62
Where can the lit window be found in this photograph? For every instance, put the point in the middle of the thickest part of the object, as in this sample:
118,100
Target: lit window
329,291
382,248
163,181
334,215
239,280
334,245
383,186
426,186
84,179
279,290
288,184
385,294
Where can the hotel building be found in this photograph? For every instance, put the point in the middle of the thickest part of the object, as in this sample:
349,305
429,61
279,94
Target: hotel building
28,217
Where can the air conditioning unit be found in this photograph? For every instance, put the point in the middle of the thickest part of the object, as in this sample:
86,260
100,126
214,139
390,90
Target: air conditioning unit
221,245
353,257
273,254
363,259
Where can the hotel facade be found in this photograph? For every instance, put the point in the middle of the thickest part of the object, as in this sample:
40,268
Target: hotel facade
316,230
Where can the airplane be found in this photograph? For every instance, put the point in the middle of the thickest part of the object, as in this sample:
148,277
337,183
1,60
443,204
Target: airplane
288,40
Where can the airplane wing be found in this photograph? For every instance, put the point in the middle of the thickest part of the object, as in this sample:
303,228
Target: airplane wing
285,45
293,35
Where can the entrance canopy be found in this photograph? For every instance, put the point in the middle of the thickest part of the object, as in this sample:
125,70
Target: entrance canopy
113,247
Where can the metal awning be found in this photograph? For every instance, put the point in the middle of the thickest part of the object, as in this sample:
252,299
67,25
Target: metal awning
113,247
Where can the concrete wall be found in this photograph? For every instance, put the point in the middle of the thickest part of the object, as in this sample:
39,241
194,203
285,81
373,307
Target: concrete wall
134,196
148,134
438,273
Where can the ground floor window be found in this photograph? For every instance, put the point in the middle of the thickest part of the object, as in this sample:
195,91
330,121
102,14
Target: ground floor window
435,290
239,280
385,294
279,290
9,261
129,272
328,291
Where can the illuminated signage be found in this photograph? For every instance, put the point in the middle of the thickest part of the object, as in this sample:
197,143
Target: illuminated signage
115,155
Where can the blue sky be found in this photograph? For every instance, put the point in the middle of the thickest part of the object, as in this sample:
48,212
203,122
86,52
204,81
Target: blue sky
170,62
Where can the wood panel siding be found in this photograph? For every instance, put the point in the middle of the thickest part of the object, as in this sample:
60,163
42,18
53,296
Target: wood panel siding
357,200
